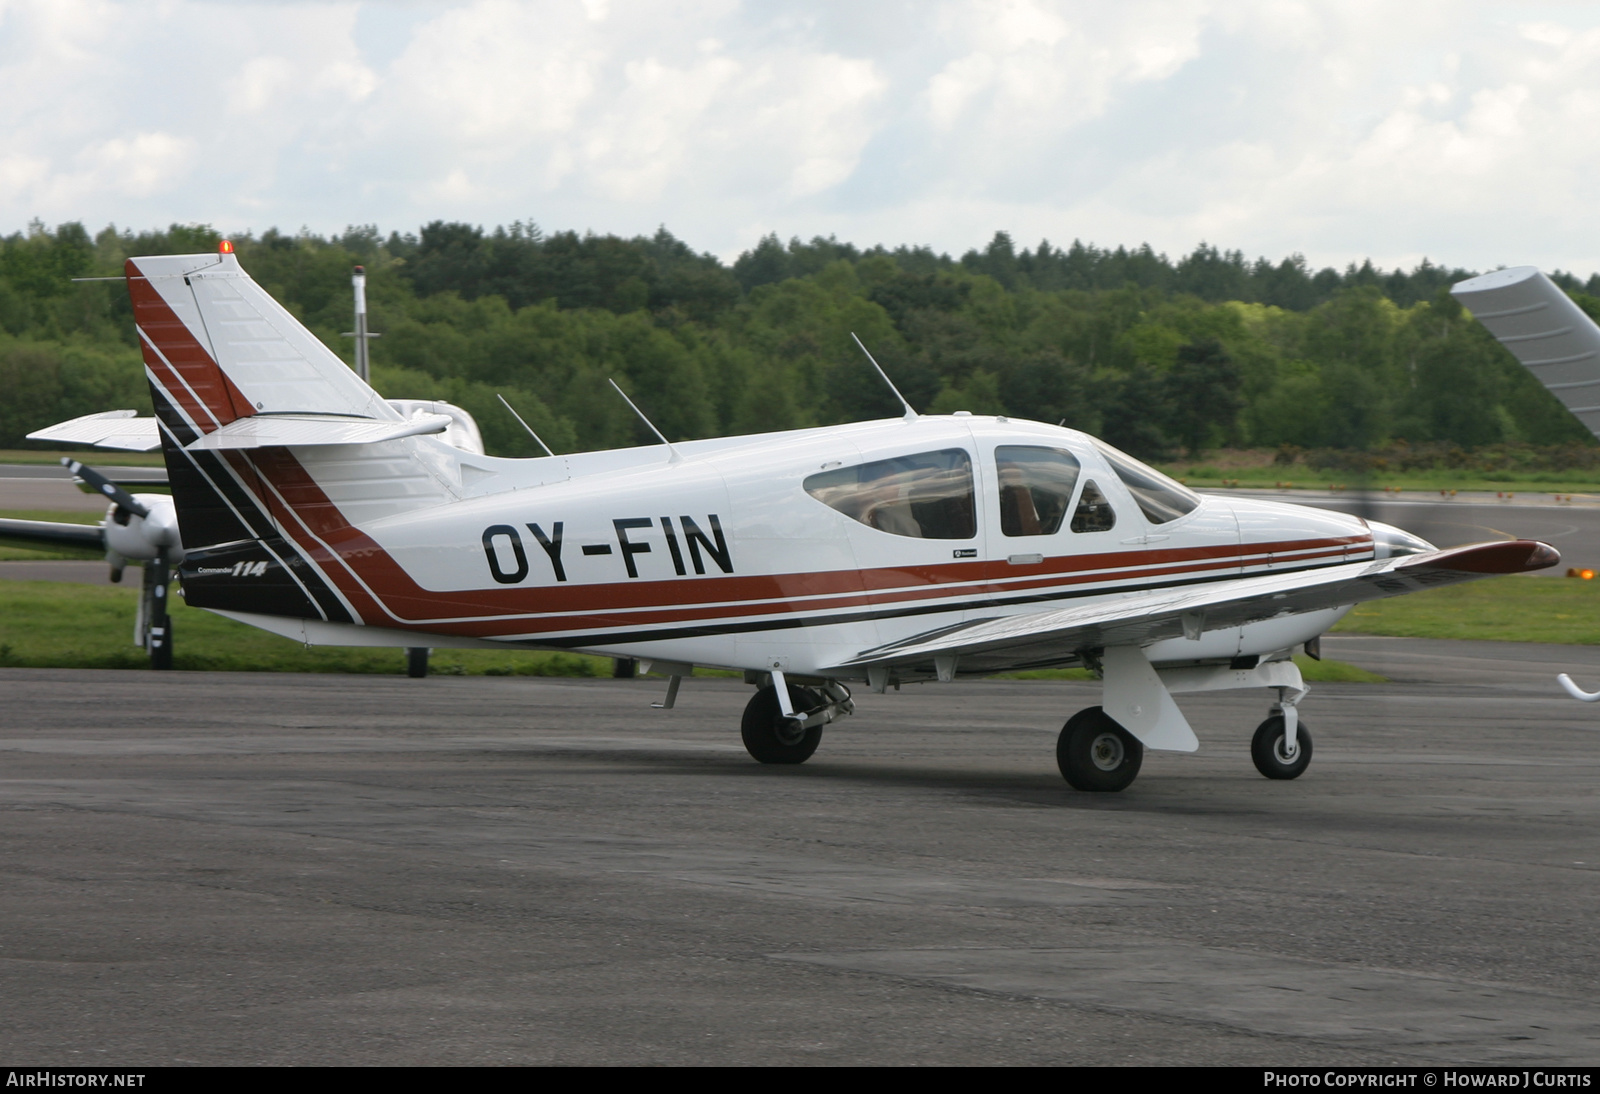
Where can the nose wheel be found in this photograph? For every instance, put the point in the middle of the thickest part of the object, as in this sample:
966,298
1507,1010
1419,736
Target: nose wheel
1095,753
1269,749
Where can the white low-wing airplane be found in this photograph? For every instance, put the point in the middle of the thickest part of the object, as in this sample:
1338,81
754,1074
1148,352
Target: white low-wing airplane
922,548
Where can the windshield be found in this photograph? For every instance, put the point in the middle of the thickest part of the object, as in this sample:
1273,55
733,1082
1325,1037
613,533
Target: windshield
1158,497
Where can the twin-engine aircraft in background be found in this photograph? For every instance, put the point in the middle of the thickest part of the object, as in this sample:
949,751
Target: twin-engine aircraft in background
925,548
143,528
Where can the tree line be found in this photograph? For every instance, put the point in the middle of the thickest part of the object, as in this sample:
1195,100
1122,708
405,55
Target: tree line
1157,356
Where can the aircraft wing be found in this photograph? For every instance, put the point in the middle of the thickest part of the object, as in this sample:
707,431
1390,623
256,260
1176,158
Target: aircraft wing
55,533
1003,643
108,429
1553,337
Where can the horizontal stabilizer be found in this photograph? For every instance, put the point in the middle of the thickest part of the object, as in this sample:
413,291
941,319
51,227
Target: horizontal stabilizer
992,645
296,430
1541,326
109,429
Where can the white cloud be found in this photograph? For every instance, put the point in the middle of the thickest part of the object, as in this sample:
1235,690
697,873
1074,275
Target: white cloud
1341,129
143,165
493,74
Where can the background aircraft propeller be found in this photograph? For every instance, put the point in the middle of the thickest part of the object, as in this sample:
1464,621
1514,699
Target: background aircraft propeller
136,529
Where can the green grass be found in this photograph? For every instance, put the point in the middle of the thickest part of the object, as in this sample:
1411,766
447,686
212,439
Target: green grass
1420,482
1255,469
1504,609
1335,672
46,624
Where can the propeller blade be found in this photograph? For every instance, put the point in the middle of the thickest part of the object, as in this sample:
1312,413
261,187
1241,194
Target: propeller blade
111,490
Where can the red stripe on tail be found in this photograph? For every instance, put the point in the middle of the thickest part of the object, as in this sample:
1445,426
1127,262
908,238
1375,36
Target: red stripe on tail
191,362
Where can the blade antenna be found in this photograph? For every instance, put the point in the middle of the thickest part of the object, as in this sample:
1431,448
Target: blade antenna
910,415
673,456
525,425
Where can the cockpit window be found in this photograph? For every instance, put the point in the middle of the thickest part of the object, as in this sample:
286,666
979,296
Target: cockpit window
1036,487
1094,513
924,496
1158,497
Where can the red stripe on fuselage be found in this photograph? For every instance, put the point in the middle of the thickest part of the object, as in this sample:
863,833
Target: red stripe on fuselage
383,593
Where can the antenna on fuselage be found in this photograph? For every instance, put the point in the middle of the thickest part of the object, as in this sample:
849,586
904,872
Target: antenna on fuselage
911,415
673,456
525,425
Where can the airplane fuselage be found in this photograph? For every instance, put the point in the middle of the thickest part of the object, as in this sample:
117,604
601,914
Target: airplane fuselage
731,554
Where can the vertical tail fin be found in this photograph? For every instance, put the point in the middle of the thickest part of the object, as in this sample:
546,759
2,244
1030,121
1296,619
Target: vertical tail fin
222,349
217,349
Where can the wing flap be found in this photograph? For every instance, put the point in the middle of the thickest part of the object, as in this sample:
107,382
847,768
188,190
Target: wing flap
1138,619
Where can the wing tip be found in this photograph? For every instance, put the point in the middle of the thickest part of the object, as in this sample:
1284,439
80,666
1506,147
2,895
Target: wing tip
1517,556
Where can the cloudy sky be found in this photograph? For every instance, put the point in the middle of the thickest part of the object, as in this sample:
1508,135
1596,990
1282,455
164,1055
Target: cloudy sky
1341,129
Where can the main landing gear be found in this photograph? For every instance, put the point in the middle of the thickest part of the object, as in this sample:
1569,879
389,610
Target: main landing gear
1096,754
779,732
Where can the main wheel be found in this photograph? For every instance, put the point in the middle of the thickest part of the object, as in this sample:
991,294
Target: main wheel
1095,753
774,739
417,661
1266,749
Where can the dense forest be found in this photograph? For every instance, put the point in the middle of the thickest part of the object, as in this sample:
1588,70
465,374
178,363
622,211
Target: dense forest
1157,356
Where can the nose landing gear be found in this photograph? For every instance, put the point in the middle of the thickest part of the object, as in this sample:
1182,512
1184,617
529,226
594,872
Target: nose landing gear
1273,754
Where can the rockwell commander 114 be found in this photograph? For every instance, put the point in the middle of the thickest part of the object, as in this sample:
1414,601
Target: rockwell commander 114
922,548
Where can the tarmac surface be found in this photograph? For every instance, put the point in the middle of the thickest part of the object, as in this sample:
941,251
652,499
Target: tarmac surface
238,868
50,486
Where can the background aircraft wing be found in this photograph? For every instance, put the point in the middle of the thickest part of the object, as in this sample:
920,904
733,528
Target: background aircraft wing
1543,329
1052,637
54,533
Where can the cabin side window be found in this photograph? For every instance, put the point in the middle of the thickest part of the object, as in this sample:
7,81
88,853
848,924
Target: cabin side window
1094,512
1036,486
1159,498
928,495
